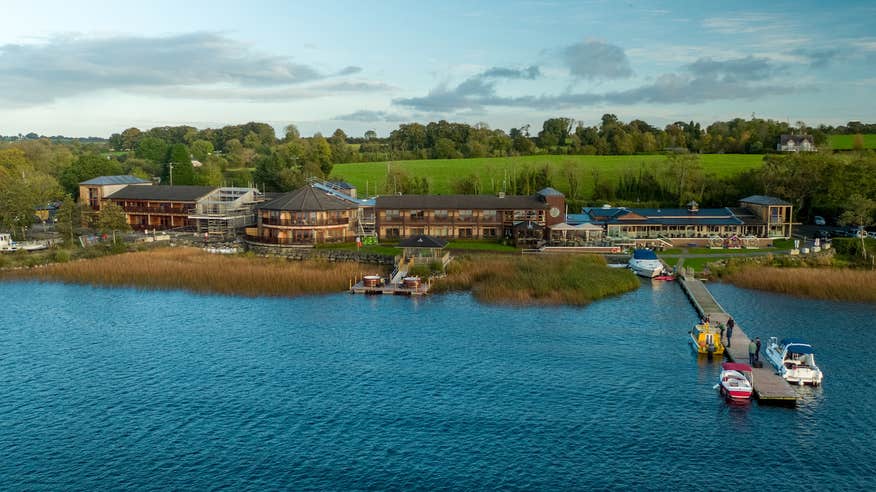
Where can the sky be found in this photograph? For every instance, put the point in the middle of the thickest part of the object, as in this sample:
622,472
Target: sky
92,68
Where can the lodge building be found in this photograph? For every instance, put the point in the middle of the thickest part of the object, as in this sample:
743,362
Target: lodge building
469,216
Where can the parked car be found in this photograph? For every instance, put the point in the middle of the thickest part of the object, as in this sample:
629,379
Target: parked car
819,220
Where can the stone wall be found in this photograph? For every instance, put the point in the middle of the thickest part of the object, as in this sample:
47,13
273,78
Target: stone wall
328,254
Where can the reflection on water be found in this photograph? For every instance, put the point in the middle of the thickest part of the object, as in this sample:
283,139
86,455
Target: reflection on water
126,389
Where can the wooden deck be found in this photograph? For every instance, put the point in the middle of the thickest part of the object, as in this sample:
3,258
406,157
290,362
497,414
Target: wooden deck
390,289
768,386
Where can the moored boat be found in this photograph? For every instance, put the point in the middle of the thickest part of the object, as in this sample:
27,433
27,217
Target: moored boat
794,360
705,340
735,381
644,262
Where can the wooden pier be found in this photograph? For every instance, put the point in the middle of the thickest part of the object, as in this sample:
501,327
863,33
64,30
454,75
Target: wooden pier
396,289
768,386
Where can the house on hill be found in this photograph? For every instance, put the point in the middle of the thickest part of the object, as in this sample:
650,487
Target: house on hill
796,143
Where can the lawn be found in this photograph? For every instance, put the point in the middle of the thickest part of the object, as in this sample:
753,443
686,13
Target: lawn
370,177
472,245
846,142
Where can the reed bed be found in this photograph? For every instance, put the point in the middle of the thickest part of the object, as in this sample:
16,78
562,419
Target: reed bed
543,280
841,284
194,270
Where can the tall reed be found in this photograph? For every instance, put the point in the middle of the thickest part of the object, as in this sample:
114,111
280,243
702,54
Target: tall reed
542,280
194,270
818,283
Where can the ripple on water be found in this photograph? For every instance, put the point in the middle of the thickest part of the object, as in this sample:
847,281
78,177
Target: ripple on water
126,389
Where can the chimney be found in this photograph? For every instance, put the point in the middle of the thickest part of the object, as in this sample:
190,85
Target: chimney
501,194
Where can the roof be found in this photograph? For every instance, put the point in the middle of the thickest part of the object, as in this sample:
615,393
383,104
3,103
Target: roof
584,226
115,180
784,139
736,366
644,254
343,185
663,216
422,241
764,200
308,199
549,192
464,202
163,193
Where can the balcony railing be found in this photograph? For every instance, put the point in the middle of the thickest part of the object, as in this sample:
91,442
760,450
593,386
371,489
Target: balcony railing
159,210
305,223
292,241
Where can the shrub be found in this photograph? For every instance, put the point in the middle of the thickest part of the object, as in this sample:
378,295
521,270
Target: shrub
61,256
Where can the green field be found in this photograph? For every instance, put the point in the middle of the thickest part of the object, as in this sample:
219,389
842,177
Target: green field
846,142
370,177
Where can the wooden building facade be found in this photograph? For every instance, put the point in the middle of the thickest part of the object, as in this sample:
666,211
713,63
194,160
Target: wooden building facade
466,216
305,216
159,207
93,192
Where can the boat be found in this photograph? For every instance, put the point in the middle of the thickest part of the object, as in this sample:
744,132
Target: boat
8,245
705,340
794,360
645,263
735,381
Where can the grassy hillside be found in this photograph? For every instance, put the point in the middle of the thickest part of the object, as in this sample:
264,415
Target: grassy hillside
370,177
846,142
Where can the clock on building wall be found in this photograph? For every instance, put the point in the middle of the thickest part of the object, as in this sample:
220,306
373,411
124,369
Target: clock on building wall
555,212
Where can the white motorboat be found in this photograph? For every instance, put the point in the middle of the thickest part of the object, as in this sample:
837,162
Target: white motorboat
644,262
794,360
8,245
734,382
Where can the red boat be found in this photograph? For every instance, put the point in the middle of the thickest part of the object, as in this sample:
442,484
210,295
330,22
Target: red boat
735,382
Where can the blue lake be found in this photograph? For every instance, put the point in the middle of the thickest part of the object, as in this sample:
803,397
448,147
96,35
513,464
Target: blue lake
126,389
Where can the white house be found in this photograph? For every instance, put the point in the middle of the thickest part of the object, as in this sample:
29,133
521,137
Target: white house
796,143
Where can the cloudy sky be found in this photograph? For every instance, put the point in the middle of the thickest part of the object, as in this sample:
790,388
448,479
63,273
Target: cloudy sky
96,67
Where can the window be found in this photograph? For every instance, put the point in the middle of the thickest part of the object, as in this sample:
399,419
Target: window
417,215
465,233
488,215
464,215
392,233
441,214
392,214
414,231
490,233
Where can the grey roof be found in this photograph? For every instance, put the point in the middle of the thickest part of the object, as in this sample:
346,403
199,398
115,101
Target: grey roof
422,241
764,200
114,180
308,199
162,193
796,138
457,202
549,192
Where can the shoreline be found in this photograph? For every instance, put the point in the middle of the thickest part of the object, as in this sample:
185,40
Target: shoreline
513,280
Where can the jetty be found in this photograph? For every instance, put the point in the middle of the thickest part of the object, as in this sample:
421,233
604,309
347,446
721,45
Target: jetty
768,386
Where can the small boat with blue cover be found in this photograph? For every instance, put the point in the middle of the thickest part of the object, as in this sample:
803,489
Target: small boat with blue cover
644,262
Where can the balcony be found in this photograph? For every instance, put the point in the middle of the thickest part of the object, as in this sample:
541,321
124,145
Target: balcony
159,210
305,223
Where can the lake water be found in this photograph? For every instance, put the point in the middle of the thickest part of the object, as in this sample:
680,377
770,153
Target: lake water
125,389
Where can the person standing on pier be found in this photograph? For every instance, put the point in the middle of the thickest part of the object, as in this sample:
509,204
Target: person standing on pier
730,325
721,328
757,352
752,349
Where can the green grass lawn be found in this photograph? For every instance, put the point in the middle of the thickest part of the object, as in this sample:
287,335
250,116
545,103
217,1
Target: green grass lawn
846,142
370,177
481,246
388,249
